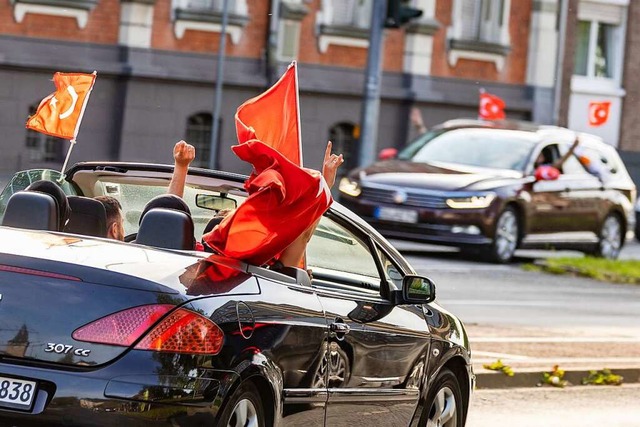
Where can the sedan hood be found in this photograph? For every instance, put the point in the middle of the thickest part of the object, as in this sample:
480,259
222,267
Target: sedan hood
408,174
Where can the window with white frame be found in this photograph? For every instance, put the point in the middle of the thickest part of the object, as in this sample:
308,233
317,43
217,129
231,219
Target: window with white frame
344,22
78,9
206,15
198,133
480,31
600,40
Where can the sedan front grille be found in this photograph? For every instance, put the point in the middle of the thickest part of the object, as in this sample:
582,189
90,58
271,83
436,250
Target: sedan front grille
413,198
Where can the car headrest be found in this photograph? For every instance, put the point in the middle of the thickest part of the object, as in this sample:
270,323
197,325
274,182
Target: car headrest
32,210
166,228
54,190
167,201
88,217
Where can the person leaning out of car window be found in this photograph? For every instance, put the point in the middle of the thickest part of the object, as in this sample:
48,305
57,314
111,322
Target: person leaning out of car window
184,154
546,169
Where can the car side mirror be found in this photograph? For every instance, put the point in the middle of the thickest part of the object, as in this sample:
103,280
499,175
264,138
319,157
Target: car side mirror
387,154
417,290
546,173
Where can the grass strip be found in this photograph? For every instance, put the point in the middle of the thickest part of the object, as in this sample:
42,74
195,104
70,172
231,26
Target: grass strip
607,270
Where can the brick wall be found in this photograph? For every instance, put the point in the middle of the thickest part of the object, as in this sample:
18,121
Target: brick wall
102,25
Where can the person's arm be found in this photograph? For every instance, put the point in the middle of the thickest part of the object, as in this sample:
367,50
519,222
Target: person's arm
558,163
292,255
417,121
183,155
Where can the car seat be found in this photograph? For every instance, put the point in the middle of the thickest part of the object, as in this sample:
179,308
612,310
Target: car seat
166,228
32,210
88,217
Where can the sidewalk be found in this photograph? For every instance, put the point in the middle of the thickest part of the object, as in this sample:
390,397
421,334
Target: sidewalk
532,351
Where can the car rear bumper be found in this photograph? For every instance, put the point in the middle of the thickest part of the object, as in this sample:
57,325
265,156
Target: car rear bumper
455,227
131,392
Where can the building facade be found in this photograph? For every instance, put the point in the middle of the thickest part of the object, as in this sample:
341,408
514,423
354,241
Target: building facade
156,62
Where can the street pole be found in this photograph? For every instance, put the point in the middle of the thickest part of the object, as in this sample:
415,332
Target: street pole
215,125
562,40
371,99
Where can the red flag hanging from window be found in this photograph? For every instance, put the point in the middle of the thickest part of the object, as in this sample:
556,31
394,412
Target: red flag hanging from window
60,113
273,117
598,113
491,107
284,201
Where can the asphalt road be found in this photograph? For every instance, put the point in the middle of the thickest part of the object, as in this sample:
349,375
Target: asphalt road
554,407
490,294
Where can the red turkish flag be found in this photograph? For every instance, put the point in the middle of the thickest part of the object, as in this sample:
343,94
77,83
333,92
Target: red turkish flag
60,113
491,107
273,117
284,201
598,113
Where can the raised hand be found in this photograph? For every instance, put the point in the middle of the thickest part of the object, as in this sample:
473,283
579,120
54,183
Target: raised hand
330,165
183,153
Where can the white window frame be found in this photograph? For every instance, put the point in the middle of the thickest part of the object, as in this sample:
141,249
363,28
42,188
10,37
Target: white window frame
237,7
455,32
601,12
80,13
325,18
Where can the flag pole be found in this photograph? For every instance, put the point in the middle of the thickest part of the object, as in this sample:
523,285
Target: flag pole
72,142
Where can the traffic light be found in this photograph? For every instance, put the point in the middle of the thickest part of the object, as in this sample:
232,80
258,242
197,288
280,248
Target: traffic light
400,12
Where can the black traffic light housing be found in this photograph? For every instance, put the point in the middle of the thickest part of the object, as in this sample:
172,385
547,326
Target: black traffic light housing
400,12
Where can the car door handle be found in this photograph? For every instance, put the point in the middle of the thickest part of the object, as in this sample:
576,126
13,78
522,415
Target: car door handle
339,328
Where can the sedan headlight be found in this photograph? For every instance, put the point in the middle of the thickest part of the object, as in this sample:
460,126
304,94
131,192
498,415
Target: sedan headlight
349,187
479,201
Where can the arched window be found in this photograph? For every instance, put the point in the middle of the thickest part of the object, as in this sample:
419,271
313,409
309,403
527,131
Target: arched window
199,135
43,148
345,141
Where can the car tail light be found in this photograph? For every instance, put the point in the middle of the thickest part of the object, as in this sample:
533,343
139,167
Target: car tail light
183,331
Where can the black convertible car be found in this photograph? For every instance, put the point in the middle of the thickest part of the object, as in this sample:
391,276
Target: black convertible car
95,332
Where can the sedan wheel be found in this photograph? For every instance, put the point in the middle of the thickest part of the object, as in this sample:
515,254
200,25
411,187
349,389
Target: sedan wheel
610,239
244,409
505,240
444,406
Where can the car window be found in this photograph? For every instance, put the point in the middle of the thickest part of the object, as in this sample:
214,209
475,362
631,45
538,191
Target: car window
335,249
23,179
487,148
133,198
392,272
572,165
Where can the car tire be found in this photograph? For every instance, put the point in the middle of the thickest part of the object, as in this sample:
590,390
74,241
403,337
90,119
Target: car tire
243,408
443,406
610,237
506,237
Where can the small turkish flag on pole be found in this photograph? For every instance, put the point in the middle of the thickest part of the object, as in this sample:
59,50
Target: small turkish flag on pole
598,113
60,113
491,107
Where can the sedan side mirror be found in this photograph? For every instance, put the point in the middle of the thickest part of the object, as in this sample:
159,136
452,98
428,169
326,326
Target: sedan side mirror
417,290
387,154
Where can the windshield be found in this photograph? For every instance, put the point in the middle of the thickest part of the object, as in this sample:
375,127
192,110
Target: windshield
487,148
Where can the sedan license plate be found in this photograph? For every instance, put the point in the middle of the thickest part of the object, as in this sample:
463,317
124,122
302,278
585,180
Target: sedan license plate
17,394
396,214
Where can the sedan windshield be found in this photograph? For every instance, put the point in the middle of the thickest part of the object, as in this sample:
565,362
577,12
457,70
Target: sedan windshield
486,148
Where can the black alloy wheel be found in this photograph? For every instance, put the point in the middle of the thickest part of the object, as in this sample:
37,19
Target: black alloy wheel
243,409
444,406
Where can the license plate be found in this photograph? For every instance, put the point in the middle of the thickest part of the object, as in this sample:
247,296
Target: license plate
15,393
396,214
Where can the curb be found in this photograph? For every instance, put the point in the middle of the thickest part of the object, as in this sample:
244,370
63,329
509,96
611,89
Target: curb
494,380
